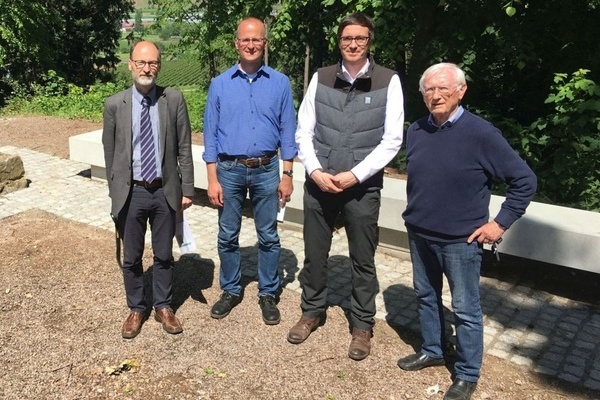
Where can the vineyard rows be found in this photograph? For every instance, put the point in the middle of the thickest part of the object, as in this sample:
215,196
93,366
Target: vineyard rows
181,73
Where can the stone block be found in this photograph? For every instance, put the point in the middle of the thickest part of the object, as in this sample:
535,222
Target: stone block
12,173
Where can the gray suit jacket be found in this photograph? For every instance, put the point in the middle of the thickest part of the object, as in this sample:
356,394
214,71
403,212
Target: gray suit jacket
175,144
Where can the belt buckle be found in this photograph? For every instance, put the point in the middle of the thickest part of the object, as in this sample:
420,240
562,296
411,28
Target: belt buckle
252,162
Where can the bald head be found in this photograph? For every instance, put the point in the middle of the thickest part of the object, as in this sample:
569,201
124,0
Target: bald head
254,23
145,45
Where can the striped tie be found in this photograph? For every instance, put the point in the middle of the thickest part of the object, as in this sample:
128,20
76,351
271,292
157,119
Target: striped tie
148,157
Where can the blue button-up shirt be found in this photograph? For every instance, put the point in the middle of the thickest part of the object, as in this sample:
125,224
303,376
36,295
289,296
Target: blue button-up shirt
249,116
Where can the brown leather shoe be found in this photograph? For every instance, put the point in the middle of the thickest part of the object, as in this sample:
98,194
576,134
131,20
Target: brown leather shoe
132,325
169,321
360,346
303,329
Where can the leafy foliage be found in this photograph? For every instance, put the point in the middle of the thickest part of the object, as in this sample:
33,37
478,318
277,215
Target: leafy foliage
75,38
210,27
564,146
24,44
59,98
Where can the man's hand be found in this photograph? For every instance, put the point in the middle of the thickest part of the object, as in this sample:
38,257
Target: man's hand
345,180
487,234
285,189
215,194
214,189
186,202
325,181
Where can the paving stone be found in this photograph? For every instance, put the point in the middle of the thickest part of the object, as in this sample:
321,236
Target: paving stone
595,374
575,370
569,378
500,353
592,384
523,361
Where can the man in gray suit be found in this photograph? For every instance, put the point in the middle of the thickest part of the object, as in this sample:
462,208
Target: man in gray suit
148,155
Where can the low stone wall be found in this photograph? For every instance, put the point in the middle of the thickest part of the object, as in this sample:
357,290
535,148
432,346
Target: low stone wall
547,233
12,173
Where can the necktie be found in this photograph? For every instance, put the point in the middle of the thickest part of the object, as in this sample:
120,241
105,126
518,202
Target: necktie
148,158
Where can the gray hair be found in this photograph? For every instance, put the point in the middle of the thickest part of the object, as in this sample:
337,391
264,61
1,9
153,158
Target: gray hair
459,74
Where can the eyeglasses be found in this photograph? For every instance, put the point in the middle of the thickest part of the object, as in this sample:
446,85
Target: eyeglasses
141,64
442,90
360,40
255,41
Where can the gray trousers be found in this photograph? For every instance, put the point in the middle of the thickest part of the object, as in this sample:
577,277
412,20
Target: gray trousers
143,206
360,212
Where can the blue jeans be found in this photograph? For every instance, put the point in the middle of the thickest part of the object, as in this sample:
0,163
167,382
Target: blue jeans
461,263
262,183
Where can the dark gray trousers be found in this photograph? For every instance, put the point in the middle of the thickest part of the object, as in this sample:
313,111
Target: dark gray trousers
143,206
360,212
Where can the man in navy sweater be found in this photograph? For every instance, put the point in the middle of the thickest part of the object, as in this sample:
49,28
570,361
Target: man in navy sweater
452,156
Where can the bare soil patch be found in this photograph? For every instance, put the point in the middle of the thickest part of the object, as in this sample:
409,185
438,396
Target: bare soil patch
62,305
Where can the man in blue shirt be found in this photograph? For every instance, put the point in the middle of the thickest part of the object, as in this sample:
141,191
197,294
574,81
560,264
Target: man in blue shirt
249,116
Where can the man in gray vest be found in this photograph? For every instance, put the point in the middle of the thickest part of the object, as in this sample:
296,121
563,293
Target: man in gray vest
349,128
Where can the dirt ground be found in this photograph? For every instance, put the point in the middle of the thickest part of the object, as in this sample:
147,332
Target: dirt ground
62,306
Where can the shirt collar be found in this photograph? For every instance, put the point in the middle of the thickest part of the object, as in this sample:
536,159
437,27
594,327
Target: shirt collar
138,97
363,71
251,77
451,121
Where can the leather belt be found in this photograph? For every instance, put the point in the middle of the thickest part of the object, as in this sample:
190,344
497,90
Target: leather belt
149,185
252,162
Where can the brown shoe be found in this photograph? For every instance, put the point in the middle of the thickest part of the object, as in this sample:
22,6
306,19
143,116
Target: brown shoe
132,325
360,346
169,321
303,329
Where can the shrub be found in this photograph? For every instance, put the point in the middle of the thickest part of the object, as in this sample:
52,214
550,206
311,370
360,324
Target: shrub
564,147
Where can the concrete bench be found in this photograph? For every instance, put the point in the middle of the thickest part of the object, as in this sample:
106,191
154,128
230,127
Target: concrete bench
547,233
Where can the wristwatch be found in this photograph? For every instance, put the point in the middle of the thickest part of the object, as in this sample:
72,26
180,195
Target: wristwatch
289,172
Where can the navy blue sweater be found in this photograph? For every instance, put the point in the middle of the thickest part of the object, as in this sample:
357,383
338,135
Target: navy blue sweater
449,178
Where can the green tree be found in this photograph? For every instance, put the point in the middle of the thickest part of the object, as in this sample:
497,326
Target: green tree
564,146
210,27
502,55
86,43
75,38
139,26
24,44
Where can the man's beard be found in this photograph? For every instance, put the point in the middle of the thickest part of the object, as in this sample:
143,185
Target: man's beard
145,80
